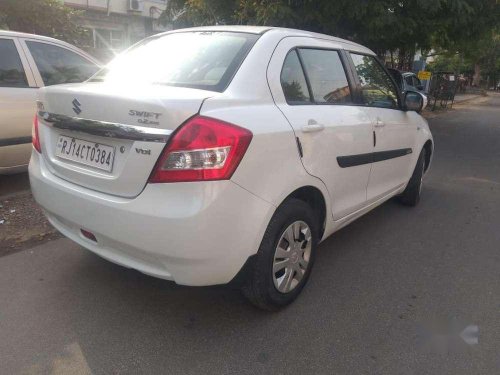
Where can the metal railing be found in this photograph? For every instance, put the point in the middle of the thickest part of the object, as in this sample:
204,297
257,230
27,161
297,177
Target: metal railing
442,89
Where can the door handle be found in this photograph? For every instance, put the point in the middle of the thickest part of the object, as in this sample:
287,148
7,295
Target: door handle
312,126
379,123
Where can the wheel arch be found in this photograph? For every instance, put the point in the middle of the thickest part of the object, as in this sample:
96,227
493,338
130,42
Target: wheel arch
429,148
313,197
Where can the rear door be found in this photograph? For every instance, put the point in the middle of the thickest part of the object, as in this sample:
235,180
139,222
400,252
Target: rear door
17,104
310,86
395,136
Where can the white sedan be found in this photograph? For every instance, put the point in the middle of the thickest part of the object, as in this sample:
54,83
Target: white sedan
226,153
28,62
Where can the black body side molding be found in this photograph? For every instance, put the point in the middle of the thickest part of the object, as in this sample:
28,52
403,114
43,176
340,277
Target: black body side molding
14,141
372,157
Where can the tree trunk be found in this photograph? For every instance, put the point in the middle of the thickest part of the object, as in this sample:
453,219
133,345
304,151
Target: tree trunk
411,58
401,59
476,79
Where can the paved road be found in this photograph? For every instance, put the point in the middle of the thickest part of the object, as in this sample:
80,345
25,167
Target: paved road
375,284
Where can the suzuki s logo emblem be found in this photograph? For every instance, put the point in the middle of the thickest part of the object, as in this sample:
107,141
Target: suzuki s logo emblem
76,106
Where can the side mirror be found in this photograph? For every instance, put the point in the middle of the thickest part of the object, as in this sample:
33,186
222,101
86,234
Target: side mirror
413,101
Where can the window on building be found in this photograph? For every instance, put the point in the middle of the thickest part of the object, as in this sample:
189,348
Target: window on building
11,69
109,39
59,65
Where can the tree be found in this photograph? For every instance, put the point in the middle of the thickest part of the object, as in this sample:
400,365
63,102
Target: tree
471,33
43,17
398,26
186,13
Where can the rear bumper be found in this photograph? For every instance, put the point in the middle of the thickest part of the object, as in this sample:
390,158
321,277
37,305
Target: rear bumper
191,233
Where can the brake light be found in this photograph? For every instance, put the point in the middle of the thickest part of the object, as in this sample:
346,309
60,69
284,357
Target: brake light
35,138
202,149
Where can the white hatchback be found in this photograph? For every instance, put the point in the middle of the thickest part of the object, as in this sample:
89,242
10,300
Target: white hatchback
226,153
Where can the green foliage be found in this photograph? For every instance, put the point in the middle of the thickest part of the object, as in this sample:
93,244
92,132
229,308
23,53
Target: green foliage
381,24
461,24
186,13
293,91
485,58
452,62
43,17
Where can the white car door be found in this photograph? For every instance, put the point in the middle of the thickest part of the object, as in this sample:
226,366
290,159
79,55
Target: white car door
310,86
394,129
17,105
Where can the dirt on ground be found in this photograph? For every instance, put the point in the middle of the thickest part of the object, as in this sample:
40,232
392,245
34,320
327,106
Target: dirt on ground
22,224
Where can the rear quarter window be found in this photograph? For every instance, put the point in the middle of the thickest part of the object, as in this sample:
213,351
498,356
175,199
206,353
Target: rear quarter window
293,80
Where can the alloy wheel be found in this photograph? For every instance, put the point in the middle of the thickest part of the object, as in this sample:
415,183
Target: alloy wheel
292,256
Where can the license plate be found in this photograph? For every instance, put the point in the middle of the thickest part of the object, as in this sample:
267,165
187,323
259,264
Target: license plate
84,152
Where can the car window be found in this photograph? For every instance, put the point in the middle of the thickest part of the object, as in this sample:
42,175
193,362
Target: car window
416,81
326,76
409,80
293,80
11,68
377,87
59,65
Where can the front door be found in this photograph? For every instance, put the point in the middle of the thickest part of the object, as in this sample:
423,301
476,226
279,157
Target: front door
395,135
310,86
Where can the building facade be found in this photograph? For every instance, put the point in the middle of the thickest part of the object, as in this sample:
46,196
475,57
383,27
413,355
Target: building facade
117,24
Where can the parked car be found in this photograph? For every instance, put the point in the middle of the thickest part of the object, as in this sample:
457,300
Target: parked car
406,81
28,62
228,156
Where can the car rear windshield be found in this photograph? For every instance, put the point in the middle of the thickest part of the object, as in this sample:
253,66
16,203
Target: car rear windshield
202,60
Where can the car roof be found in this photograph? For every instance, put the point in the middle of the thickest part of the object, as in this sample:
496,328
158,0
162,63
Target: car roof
17,34
265,29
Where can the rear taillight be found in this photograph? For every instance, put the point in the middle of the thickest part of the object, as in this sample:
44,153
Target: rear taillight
35,138
202,149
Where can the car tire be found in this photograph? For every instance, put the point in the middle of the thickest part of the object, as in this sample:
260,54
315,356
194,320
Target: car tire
411,195
281,267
